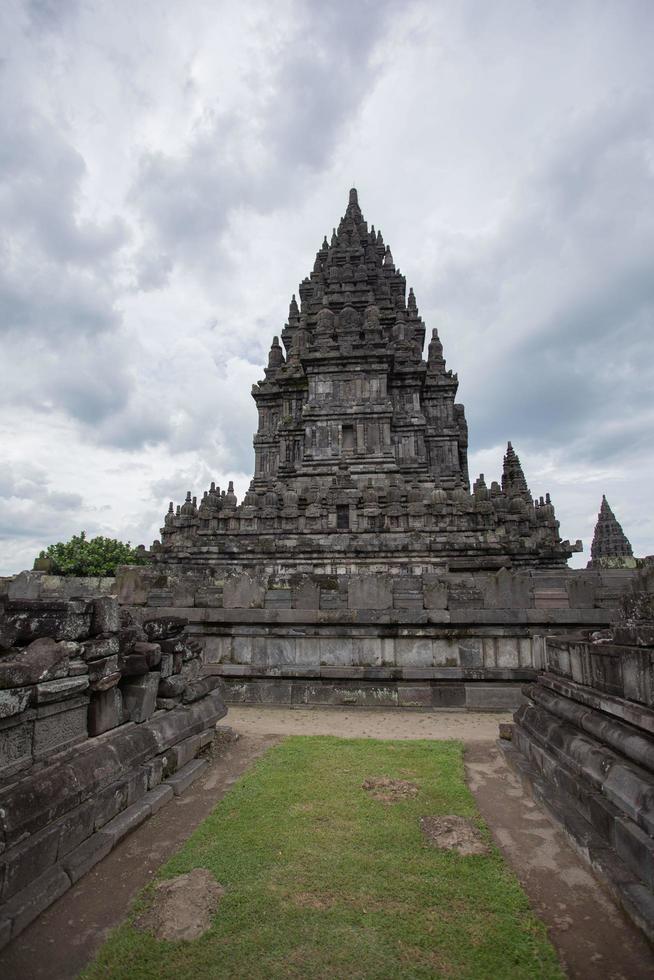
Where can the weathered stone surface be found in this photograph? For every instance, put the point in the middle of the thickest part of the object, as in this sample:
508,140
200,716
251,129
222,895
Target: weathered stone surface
140,696
181,780
75,827
164,628
61,689
434,593
104,673
20,865
24,907
200,689
14,700
151,652
127,821
25,620
105,618
172,687
36,801
16,738
87,855
370,592
105,711
44,659
158,797
243,592
59,725
183,752
100,647
591,753
167,704
134,664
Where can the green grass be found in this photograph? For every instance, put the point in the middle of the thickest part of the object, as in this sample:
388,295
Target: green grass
324,881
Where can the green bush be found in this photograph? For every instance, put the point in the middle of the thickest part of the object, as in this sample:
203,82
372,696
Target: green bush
94,556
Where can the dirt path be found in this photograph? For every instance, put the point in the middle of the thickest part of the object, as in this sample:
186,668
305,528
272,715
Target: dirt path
367,723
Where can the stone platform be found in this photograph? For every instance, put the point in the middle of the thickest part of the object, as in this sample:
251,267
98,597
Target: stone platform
423,640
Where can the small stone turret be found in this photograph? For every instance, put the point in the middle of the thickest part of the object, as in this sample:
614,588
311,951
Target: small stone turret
610,547
514,483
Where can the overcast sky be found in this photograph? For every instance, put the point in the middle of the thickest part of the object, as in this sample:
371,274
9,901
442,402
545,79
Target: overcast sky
168,170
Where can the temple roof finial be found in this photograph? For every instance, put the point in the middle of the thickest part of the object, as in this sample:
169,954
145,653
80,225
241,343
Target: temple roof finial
354,198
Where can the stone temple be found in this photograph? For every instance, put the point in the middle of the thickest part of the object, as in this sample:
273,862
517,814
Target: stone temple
361,449
610,545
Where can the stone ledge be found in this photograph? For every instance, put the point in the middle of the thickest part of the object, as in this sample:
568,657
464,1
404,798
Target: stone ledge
626,888
208,616
24,907
629,711
187,775
491,674
419,695
619,736
626,785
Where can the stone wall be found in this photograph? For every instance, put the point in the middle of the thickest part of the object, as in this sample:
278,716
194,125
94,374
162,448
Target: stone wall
419,639
584,740
101,720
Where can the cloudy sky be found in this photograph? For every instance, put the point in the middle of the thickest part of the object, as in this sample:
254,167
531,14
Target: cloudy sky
168,170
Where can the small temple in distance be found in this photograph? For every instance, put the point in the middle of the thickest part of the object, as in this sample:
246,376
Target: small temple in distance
611,547
361,448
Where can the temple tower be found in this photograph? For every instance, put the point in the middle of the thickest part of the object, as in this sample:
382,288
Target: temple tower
610,544
361,449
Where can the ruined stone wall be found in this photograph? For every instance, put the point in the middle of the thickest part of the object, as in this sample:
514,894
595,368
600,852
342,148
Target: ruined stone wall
101,720
418,639
584,740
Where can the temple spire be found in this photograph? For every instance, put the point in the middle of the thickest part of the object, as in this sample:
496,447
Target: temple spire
514,483
609,540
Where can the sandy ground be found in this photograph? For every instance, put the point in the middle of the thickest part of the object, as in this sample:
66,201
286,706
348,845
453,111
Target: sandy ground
367,723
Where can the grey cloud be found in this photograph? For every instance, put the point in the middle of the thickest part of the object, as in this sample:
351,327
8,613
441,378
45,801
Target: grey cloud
262,156
42,176
562,296
50,16
30,508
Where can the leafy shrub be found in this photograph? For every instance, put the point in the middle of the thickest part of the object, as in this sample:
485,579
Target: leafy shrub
94,556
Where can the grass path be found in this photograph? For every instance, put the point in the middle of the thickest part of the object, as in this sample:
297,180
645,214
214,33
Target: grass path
322,880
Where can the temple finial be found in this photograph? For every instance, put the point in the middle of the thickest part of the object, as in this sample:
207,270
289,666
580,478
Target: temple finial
354,198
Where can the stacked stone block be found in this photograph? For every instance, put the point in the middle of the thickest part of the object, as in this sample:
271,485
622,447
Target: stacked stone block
584,739
419,637
101,721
